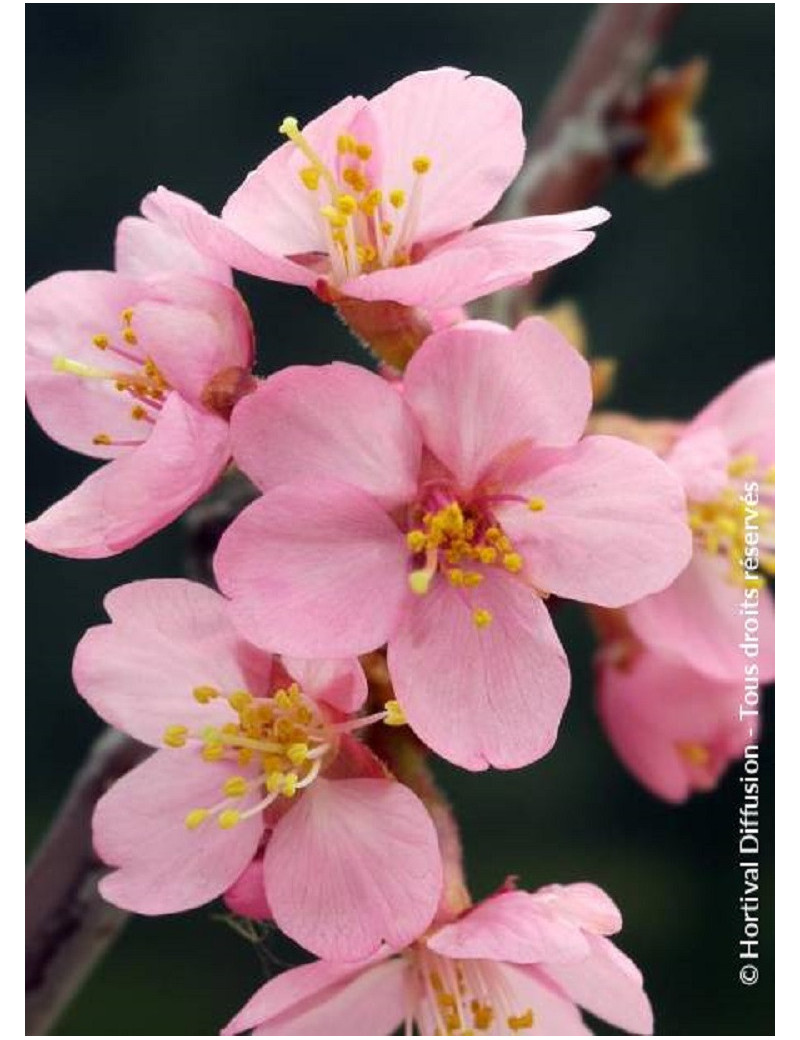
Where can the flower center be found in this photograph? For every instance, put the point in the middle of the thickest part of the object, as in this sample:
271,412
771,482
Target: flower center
467,998
453,540
741,518
282,741
366,227
143,386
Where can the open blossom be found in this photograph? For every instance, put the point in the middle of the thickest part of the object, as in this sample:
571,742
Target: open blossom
437,519
674,728
517,964
374,201
257,761
725,458
139,367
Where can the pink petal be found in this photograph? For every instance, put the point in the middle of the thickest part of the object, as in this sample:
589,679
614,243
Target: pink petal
701,460
481,392
471,129
198,330
272,209
246,896
511,926
697,621
340,683
336,422
167,637
144,249
480,697
314,570
585,905
609,985
553,1013
62,314
745,412
614,525
358,999
162,866
125,501
353,864
218,241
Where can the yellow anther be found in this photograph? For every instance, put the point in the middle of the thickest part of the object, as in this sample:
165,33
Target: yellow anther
310,175
374,198
397,197
77,368
512,562
695,754
536,505
395,716
487,554
346,204
195,818
244,756
345,143
235,787
363,151
421,164
742,465
101,342
283,699
130,337
419,581
365,254
523,1021
289,127
138,412
101,438
212,752
493,535
455,576
127,316
387,227
416,540
229,818
239,700
297,753
175,736
274,782
334,217
472,578
482,617
204,694
769,475
482,1015
355,179
290,784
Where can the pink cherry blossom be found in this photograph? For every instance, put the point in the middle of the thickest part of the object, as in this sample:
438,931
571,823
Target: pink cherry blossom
674,728
141,368
725,458
260,763
374,200
438,519
518,963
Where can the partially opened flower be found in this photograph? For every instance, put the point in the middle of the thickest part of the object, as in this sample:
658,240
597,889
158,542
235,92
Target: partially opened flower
372,205
517,964
438,519
260,761
725,458
674,728
139,368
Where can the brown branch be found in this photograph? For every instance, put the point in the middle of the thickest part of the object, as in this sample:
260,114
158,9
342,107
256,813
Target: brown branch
68,926
572,148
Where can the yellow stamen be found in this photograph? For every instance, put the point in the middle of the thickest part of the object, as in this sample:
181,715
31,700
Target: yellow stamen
395,716
290,784
101,438
309,175
297,753
523,1021
397,197
695,754
363,151
195,818
421,164
229,818
536,505
175,736
482,617
235,787
347,205
419,581
204,694
101,342
512,562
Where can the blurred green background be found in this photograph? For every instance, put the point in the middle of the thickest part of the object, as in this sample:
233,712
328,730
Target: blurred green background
679,287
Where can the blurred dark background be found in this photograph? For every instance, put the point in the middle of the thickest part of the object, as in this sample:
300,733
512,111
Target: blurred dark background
679,287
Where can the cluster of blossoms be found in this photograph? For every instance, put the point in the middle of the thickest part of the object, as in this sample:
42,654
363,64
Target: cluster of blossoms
417,523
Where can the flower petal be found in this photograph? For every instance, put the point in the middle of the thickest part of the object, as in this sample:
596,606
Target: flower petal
745,412
335,422
167,637
697,621
341,683
511,926
614,525
608,984
314,570
125,501
246,896
163,867
481,392
353,864
355,999
583,904
471,129
143,249
480,697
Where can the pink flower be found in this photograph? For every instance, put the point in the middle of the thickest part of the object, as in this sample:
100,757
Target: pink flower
437,520
375,199
674,728
725,458
140,367
516,964
259,752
